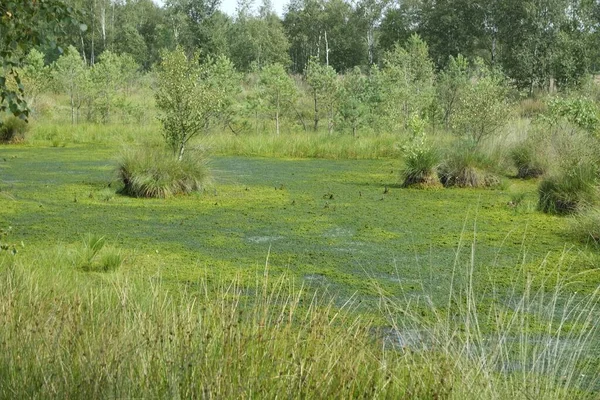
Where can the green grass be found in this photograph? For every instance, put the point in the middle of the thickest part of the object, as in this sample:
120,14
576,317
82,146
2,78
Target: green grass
71,334
336,225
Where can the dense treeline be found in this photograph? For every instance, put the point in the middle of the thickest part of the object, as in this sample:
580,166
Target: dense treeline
537,43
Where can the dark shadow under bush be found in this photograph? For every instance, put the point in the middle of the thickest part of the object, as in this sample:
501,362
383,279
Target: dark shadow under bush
152,172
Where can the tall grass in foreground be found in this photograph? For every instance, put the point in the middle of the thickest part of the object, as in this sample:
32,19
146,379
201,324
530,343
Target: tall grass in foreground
69,334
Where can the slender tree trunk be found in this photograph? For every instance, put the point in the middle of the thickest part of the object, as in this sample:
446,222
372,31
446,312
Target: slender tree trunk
277,117
72,109
103,24
181,151
83,48
93,55
316,127
326,50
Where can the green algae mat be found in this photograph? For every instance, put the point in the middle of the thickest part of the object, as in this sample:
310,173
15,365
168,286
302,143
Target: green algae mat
344,225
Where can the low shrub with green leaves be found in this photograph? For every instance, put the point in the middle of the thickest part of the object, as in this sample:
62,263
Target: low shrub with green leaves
570,190
155,172
465,166
13,130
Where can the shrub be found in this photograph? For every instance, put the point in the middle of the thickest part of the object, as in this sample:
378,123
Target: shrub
464,166
528,161
569,191
155,172
13,129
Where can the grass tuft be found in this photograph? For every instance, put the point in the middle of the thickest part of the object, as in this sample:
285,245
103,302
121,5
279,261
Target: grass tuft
155,172
569,191
420,169
466,167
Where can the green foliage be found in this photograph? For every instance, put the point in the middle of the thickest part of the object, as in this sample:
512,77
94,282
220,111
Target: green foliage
483,108
355,98
421,160
406,82
153,172
579,111
277,90
13,129
24,25
189,97
323,82
35,77
450,84
569,190
257,41
72,76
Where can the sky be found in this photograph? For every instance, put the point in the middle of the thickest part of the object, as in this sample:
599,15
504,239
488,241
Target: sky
228,6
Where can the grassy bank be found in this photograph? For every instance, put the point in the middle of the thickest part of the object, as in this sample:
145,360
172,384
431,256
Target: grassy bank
73,334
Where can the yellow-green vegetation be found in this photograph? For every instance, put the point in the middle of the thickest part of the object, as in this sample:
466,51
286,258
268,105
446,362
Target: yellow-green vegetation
72,334
403,309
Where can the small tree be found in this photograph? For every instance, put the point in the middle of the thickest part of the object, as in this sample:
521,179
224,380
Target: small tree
189,102
483,108
278,90
70,74
407,81
322,80
34,76
450,84
354,99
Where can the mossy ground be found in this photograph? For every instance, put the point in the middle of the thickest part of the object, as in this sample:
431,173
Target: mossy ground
346,225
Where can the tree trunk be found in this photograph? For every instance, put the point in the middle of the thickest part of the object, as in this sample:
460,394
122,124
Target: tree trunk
103,24
326,50
72,109
181,151
92,55
316,127
277,116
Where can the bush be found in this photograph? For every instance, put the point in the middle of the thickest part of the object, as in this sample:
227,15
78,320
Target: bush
528,161
420,169
569,191
155,172
466,167
13,130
